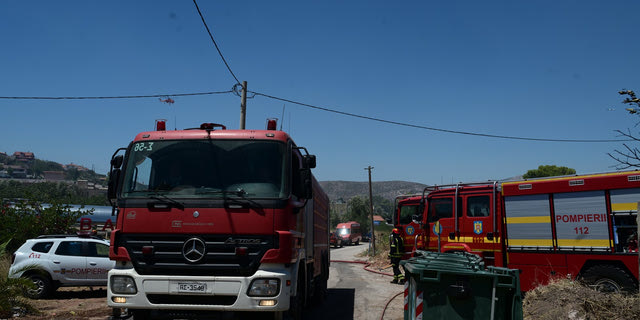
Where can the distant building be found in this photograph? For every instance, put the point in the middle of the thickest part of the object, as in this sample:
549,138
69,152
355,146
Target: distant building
53,175
17,172
378,220
25,157
74,166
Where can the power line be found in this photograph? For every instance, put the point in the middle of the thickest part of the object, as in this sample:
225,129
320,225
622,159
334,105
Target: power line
120,97
214,42
431,128
327,110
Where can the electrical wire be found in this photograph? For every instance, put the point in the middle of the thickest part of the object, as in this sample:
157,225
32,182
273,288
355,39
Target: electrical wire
436,129
234,90
120,97
214,41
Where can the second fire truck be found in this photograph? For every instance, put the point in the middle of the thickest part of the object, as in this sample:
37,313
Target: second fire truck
581,226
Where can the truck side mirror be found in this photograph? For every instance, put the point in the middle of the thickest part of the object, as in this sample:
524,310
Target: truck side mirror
116,162
310,161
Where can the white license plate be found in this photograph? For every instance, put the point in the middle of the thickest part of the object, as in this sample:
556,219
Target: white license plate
192,287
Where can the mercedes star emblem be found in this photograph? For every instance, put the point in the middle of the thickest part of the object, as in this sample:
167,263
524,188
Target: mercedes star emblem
194,249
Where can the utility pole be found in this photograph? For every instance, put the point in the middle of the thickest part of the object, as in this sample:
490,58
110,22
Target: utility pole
373,234
243,106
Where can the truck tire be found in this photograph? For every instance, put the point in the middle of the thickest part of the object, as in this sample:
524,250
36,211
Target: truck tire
43,286
296,305
609,278
321,288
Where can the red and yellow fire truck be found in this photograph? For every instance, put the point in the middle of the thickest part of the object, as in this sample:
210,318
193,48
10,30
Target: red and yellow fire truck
210,219
406,220
581,226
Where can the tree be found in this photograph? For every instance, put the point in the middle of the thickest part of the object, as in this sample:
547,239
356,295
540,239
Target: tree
30,219
629,156
382,207
358,210
548,171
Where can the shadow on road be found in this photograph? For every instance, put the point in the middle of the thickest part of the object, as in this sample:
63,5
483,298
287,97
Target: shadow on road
79,294
337,306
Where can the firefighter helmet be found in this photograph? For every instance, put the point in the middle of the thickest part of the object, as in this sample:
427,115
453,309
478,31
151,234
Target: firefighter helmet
395,230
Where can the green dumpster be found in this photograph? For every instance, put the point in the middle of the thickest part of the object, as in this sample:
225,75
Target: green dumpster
458,286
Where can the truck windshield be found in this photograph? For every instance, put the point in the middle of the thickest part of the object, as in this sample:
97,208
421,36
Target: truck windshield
407,212
343,231
206,169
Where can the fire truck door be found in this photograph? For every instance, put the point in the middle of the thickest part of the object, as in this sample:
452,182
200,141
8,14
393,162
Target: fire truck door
409,229
440,210
477,226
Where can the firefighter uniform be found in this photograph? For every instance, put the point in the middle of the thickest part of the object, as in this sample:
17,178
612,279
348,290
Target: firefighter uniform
396,250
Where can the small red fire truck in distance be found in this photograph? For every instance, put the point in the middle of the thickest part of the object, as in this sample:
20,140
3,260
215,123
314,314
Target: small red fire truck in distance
349,232
210,219
581,227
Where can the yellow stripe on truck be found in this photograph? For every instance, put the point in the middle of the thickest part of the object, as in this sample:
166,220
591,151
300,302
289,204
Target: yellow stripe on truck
632,206
583,243
531,242
540,219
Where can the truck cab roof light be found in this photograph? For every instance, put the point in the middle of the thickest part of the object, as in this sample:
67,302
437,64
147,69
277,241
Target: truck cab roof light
272,124
161,125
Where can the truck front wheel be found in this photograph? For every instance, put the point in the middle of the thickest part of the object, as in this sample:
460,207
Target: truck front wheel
609,278
297,302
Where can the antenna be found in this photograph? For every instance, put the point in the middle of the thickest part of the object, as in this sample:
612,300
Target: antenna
283,105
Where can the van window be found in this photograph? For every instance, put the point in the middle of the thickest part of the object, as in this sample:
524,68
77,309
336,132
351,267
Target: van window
70,248
43,247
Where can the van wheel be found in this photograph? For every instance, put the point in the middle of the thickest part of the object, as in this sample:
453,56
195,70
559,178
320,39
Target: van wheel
42,288
609,278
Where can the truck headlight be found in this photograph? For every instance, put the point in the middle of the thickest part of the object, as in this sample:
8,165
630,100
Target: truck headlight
264,288
123,284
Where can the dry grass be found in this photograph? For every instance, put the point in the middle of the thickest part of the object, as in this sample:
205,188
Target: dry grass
380,259
565,299
11,299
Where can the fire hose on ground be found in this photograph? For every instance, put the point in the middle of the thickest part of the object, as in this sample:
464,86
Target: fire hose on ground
366,267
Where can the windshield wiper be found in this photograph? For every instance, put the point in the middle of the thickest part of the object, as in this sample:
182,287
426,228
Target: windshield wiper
164,199
239,192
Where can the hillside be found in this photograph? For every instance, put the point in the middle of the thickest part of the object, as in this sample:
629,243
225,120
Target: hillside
346,190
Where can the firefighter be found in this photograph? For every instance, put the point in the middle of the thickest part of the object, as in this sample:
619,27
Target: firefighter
396,250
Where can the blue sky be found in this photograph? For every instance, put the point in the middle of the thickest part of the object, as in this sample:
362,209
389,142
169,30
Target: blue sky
536,69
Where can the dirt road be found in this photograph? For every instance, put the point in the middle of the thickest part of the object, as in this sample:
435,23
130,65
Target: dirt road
354,293
367,292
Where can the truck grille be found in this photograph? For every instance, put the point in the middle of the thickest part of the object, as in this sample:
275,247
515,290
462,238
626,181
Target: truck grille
162,254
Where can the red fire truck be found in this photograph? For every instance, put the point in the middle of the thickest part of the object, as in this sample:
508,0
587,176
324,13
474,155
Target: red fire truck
406,219
581,227
210,219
